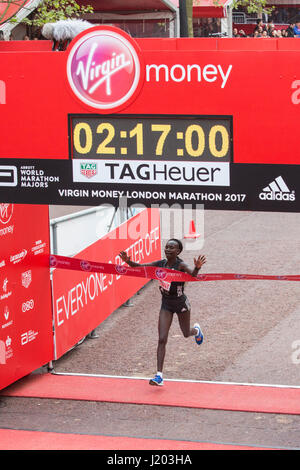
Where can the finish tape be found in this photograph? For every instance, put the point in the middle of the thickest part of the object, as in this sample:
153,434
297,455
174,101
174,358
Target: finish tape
154,272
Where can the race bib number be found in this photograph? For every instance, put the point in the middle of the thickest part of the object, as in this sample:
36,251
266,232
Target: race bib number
165,285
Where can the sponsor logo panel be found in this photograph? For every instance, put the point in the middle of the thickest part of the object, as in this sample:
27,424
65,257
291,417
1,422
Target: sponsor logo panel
6,213
6,292
218,185
8,321
277,190
27,305
26,278
28,337
155,173
18,257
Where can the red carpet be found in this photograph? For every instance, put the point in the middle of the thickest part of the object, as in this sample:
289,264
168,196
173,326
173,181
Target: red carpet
183,394
32,440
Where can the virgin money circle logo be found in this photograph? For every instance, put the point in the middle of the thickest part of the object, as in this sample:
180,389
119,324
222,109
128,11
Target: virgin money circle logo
52,261
103,68
160,274
6,212
120,269
85,265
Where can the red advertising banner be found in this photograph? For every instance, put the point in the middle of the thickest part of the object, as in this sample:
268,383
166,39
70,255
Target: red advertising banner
82,300
26,339
252,81
191,121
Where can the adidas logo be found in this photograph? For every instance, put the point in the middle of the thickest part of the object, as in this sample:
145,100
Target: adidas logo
277,191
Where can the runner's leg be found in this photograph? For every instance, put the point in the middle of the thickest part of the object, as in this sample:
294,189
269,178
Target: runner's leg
164,324
184,323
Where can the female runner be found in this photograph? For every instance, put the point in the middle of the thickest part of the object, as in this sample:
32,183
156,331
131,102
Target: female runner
173,301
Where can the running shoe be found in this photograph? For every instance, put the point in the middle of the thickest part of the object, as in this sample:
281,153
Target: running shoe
158,380
199,336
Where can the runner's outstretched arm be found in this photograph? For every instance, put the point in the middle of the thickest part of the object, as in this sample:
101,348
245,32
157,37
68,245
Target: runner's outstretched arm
124,256
198,263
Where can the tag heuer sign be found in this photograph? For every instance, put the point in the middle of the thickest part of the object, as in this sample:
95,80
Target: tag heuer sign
88,169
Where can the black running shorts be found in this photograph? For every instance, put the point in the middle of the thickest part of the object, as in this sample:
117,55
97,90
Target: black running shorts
175,304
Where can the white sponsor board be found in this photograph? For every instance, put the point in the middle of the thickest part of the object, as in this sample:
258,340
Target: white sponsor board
154,172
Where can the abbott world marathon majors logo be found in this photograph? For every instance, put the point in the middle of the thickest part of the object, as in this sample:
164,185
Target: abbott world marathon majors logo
103,68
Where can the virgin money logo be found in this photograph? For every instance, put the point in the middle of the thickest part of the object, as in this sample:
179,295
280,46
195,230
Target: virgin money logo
52,261
160,274
6,212
85,265
103,68
120,269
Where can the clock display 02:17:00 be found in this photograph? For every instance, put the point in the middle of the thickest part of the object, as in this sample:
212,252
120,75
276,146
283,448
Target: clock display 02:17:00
137,137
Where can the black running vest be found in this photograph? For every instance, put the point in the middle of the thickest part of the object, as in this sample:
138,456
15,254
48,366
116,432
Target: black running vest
174,289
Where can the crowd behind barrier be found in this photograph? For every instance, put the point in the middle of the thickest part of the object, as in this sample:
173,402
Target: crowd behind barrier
268,30
211,27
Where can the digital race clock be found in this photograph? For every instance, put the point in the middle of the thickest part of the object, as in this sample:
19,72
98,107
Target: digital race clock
146,137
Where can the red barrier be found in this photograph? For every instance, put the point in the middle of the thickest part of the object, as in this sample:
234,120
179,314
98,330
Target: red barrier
82,300
25,297
25,46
